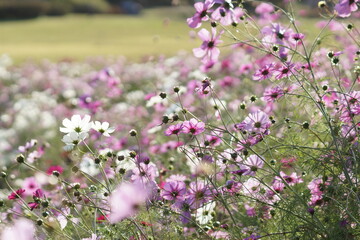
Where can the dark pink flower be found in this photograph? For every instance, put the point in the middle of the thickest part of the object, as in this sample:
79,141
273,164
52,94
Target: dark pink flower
193,127
54,168
17,194
264,73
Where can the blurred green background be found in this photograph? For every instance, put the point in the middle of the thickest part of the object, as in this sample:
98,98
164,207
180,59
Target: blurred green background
77,29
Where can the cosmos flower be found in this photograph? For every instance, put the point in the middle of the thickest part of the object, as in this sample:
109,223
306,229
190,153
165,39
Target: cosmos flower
103,128
126,200
193,127
345,7
72,139
205,213
202,9
208,50
173,190
264,73
17,194
174,129
76,124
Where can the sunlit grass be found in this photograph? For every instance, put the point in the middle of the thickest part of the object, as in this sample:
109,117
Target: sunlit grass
81,36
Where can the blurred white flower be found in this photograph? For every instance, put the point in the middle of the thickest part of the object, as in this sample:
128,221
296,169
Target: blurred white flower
103,128
23,229
72,139
76,124
204,214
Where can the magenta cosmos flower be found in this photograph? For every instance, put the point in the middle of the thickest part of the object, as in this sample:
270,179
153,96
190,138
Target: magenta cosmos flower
345,7
208,50
199,193
202,10
264,73
17,194
272,94
193,126
174,190
126,200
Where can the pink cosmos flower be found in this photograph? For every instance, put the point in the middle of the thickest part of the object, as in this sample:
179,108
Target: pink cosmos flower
254,163
173,190
257,122
264,73
54,168
126,200
30,185
174,129
28,145
145,173
202,10
284,71
193,127
272,94
208,50
17,194
264,8
345,7
37,195
199,193
291,180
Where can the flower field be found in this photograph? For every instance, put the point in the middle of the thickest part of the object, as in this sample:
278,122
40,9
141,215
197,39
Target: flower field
260,142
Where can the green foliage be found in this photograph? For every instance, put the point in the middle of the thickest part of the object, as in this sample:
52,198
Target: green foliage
10,10
90,6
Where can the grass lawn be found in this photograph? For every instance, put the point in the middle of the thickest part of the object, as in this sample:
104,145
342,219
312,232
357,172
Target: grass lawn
156,31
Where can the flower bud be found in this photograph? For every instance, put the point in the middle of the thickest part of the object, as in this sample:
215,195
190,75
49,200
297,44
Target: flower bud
133,132
20,158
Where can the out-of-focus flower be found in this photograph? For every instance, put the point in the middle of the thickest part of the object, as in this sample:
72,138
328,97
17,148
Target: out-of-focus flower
126,201
23,229
73,139
345,7
17,194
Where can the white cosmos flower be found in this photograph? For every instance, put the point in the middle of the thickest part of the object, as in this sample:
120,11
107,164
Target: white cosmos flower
72,139
204,214
103,128
76,124
127,163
